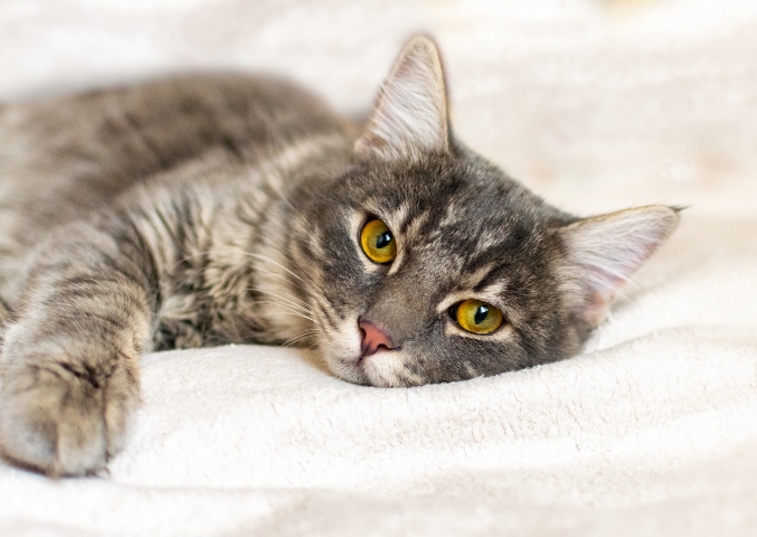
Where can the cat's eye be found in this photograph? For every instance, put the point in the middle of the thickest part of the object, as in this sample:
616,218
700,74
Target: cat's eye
377,242
476,316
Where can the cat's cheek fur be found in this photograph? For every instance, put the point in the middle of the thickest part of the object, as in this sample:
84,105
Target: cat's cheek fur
387,369
340,348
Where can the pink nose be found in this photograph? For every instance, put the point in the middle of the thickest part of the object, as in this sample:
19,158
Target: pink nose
373,338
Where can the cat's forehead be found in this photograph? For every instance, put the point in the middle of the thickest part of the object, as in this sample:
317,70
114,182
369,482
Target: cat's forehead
450,203
456,225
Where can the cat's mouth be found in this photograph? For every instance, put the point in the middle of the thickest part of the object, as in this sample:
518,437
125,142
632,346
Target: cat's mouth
370,358
379,360
367,353
378,367
381,368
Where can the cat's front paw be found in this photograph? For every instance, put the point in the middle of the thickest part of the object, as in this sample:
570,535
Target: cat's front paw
63,419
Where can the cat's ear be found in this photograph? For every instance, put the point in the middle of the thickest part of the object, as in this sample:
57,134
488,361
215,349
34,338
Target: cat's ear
608,249
410,114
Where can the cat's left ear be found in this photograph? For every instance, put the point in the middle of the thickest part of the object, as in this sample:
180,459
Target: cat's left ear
608,249
410,114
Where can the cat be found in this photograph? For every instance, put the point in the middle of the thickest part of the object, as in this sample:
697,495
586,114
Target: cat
222,208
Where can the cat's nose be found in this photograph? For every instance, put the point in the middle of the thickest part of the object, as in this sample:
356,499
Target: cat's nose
374,339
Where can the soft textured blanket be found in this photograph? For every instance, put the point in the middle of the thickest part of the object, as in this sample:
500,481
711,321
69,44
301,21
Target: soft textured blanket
596,106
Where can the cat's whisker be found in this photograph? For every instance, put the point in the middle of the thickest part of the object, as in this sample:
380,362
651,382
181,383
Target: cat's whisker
275,274
309,284
304,334
269,260
290,310
304,273
308,334
287,280
300,306
323,311
316,285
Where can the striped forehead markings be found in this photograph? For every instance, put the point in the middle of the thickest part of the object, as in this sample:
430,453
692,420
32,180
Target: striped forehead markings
473,279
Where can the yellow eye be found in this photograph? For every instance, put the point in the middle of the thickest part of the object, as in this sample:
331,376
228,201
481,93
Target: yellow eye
477,317
378,242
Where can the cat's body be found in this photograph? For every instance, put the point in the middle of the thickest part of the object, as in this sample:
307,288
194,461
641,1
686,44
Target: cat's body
207,156
218,209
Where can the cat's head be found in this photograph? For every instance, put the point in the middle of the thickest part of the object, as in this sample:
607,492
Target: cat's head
432,265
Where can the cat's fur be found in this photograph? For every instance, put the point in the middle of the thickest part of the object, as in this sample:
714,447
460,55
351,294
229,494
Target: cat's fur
213,209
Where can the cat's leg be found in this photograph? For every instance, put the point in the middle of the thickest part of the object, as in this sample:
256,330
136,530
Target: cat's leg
69,366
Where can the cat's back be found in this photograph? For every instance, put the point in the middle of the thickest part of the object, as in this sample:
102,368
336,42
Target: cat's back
61,158
128,133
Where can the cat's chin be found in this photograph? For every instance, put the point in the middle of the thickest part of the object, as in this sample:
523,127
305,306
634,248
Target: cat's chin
383,369
349,370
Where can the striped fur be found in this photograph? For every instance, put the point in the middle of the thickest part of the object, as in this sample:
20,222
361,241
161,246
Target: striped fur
220,209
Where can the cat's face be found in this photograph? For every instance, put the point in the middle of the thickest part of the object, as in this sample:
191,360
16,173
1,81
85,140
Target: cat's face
427,264
465,242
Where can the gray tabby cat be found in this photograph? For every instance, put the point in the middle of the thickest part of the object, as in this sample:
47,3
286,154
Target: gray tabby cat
214,209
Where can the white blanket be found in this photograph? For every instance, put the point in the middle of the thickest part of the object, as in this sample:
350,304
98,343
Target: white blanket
596,106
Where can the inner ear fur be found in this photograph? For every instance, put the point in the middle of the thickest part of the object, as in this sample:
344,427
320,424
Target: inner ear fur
607,250
410,114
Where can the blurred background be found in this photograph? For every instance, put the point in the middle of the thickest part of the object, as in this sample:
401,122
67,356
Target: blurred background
595,104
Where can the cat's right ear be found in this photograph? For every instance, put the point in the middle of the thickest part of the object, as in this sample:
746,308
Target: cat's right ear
410,115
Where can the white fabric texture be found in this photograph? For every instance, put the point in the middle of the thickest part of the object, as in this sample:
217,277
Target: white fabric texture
596,105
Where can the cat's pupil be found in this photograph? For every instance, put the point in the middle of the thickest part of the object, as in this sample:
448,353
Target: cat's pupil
383,240
481,313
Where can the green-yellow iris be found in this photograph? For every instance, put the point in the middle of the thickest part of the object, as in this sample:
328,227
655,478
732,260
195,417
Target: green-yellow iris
478,317
378,242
